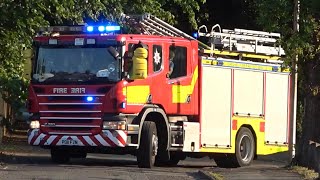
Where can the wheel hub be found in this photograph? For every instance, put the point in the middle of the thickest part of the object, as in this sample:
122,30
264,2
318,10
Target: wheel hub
245,148
154,145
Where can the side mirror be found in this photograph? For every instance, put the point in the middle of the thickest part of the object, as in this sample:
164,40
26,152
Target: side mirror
27,56
113,52
140,64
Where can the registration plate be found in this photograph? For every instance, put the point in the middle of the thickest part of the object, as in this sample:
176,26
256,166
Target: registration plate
69,142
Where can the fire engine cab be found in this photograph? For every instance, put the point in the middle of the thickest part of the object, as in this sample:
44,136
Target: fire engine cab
158,93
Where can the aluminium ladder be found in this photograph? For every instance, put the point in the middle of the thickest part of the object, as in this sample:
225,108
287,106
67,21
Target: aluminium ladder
242,40
151,25
238,40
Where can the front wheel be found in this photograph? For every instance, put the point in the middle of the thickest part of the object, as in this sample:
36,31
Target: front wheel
148,148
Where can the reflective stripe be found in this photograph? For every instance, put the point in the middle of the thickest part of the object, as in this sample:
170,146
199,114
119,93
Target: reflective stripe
110,138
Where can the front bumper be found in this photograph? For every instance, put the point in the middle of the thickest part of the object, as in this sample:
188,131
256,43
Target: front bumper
107,138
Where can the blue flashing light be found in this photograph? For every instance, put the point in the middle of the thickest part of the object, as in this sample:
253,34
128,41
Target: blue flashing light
195,35
90,28
112,28
89,98
101,28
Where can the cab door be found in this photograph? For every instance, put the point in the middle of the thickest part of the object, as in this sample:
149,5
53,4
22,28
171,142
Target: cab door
181,79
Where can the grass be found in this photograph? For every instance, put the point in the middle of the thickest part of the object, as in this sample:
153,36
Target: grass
10,147
216,176
305,172
19,144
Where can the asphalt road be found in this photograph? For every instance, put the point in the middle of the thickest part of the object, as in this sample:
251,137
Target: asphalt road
37,165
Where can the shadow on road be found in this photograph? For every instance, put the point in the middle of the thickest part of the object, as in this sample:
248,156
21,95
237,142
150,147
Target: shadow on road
30,159
44,159
93,160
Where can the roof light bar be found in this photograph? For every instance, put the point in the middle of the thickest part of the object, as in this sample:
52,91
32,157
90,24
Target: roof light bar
89,28
101,28
61,29
112,28
82,28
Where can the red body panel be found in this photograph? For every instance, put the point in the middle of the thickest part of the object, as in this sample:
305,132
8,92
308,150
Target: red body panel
109,97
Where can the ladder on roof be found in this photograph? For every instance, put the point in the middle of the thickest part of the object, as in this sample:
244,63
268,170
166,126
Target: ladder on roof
237,42
151,25
242,40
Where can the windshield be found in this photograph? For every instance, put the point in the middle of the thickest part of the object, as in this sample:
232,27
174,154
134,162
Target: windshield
77,64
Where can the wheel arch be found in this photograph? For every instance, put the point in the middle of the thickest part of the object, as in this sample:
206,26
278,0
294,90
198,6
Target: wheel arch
254,136
157,115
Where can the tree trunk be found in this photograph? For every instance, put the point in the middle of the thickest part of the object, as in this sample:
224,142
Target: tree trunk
311,120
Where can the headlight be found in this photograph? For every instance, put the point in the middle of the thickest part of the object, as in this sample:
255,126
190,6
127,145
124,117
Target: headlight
119,125
34,125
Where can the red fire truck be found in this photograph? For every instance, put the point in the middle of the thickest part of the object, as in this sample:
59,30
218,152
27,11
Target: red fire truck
158,93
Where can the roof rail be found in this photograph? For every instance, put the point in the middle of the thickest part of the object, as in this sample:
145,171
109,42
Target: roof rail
242,40
151,25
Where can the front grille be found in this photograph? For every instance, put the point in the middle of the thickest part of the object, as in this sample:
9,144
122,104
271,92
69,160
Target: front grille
63,107
68,98
70,129
63,114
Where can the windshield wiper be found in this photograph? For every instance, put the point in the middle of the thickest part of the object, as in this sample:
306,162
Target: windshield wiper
92,77
75,77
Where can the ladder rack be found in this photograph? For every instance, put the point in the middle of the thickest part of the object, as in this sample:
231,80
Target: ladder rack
239,43
242,40
151,25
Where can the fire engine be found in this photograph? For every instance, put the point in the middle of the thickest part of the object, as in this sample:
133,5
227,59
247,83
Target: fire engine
158,93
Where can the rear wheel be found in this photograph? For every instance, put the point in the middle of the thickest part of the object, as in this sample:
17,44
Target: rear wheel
245,147
59,156
245,151
148,148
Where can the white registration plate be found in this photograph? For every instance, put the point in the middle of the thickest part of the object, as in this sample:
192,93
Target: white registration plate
69,142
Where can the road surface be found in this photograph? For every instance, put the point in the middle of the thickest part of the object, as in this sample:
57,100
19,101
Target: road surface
27,163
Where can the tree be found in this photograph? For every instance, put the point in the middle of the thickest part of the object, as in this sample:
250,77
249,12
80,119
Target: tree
277,15
18,23
20,20
229,14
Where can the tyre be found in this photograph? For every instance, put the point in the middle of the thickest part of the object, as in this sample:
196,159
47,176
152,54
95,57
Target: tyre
244,151
174,159
245,147
59,156
148,148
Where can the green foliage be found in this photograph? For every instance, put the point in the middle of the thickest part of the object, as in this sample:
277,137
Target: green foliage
20,20
278,15
229,14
